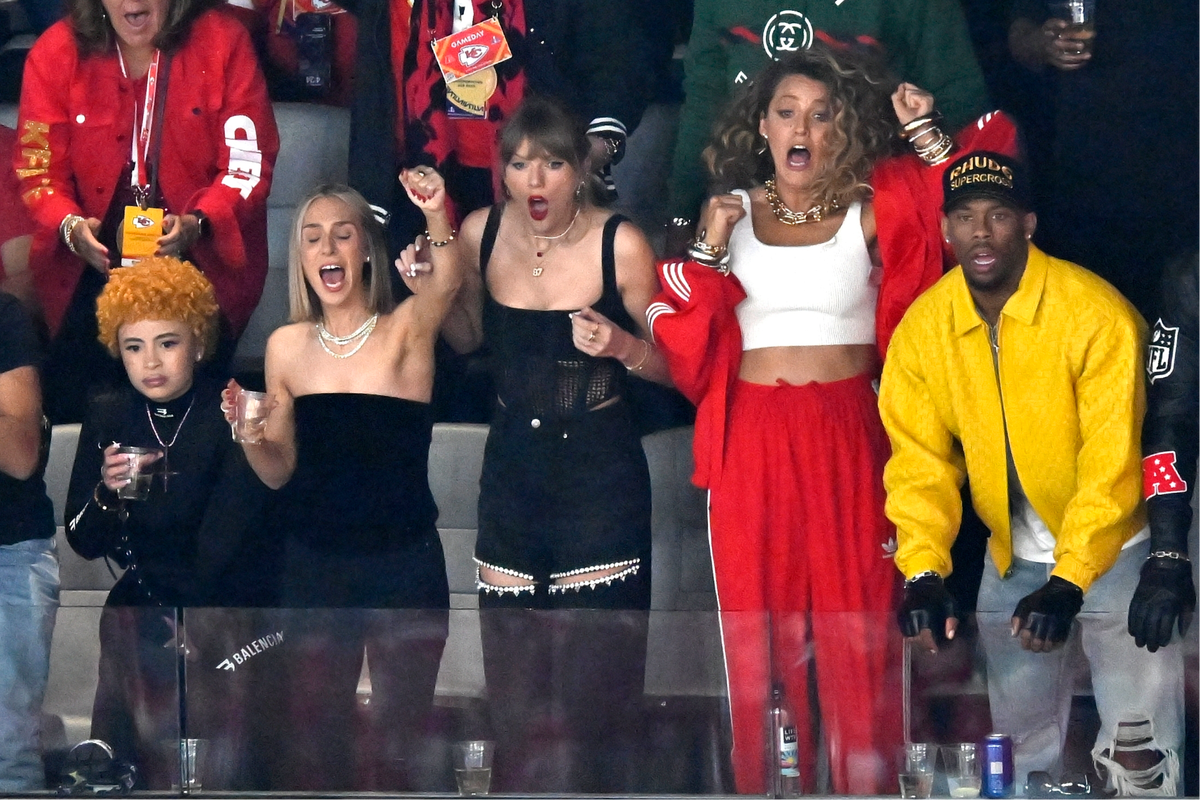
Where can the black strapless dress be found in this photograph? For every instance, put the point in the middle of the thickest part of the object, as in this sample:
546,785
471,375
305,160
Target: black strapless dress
357,515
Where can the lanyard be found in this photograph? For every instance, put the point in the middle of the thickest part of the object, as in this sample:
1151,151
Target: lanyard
140,144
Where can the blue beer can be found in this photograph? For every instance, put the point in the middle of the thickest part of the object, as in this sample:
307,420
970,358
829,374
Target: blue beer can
998,766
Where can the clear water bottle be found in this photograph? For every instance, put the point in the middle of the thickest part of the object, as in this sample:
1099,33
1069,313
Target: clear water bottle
783,778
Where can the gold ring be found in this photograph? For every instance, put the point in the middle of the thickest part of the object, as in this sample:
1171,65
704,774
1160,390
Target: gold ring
592,336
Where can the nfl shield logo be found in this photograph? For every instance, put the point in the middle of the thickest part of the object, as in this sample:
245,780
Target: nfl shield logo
1160,360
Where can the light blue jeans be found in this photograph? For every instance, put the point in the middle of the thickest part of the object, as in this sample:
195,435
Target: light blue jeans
28,604
1030,693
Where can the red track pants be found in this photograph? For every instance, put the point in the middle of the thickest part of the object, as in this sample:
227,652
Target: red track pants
797,529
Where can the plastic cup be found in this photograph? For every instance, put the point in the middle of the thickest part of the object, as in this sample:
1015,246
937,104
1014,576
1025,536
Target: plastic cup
916,762
252,409
916,785
141,470
192,755
473,767
962,769
1080,16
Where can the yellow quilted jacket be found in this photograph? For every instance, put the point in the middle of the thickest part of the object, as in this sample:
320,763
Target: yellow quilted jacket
1070,391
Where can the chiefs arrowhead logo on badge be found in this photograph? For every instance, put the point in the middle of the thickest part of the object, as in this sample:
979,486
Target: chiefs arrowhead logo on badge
469,56
1160,356
142,221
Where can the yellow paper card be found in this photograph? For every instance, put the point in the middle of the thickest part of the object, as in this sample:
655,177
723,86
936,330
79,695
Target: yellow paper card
143,229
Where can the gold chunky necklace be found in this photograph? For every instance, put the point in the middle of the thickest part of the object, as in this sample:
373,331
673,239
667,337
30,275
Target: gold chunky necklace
789,217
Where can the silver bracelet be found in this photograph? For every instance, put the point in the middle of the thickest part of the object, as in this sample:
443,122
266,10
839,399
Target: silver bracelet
929,573
66,229
1174,555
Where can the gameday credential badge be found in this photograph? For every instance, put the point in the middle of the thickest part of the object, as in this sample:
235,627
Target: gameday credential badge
139,236
471,50
1160,357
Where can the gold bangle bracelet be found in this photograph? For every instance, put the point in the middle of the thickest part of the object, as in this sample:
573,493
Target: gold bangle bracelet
645,355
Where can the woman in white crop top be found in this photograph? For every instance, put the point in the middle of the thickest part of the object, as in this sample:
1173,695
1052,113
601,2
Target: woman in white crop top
796,490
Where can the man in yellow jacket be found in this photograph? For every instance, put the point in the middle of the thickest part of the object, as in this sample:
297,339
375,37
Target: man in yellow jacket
1023,372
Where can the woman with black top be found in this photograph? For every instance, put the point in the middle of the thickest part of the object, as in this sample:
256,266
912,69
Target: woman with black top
347,445
189,541
559,293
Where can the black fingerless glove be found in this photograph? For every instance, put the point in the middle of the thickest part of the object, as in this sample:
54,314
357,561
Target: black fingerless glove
1165,593
1048,612
926,604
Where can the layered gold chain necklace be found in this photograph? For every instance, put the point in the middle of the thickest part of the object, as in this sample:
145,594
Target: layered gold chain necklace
788,217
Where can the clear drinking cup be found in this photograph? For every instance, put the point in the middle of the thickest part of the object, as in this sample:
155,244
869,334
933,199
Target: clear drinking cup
916,762
141,471
962,769
916,785
192,756
1080,16
251,409
473,767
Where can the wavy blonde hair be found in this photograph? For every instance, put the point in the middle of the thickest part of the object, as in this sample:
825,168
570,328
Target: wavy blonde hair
159,288
864,123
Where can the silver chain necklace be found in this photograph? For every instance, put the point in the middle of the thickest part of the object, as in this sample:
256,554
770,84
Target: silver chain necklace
166,446
347,339
362,334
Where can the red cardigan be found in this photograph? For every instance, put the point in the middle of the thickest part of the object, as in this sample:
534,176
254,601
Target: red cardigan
218,152
693,318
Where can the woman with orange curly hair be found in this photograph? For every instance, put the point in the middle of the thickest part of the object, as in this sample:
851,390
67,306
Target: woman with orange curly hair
184,544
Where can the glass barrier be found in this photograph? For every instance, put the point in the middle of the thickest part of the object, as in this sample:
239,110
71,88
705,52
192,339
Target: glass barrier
596,702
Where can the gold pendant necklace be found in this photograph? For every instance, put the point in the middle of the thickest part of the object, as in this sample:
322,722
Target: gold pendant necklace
537,271
789,217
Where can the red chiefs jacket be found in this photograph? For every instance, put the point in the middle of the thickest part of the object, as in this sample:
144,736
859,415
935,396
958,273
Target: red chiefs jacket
693,318
218,151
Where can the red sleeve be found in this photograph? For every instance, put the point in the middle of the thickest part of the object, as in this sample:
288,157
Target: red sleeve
14,218
245,154
693,323
41,157
908,217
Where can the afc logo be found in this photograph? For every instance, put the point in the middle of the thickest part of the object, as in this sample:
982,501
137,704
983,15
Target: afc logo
1159,475
786,32
1160,358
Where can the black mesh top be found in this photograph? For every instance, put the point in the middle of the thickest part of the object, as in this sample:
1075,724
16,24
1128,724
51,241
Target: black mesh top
536,367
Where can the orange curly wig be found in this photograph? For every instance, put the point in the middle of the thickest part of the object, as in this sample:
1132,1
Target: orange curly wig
158,288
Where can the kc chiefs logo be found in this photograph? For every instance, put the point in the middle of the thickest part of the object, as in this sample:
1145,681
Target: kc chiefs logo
786,32
1159,475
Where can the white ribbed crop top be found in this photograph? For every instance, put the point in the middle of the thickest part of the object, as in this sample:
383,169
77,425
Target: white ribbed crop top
806,295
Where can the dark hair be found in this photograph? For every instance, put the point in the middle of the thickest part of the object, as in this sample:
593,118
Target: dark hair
94,33
864,122
551,129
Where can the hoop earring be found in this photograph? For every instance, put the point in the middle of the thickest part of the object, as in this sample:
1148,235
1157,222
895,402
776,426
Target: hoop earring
579,192
762,149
